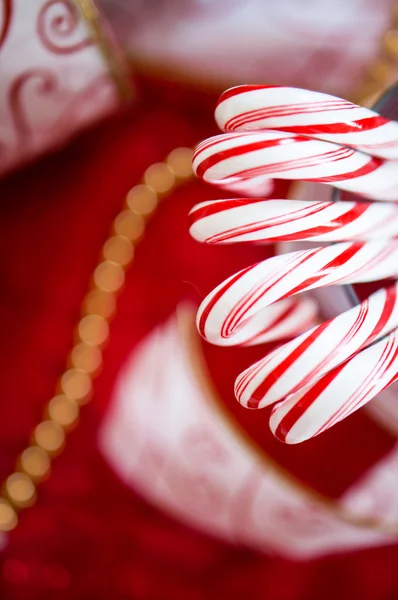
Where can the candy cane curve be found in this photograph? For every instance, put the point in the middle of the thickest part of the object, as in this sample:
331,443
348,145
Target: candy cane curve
256,157
304,112
327,372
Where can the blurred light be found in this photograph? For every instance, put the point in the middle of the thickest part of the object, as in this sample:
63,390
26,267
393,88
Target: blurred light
100,303
180,162
15,571
50,436
35,462
109,276
142,200
63,410
76,384
130,225
86,357
56,576
93,329
118,249
20,489
159,177
8,516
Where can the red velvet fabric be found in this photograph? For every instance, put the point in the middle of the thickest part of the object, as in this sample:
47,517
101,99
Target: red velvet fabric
88,536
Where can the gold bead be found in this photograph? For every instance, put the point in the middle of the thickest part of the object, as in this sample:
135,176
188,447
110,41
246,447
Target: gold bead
76,384
50,436
86,357
93,330
130,224
180,162
118,249
159,177
100,303
142,200
20,489
109,276
390,43
8,516
35,462
63,410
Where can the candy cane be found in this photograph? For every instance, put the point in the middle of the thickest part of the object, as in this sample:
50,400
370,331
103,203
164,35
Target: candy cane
255,157
247,220
247,108
326,373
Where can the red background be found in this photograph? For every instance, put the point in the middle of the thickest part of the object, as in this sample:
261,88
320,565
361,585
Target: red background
88,536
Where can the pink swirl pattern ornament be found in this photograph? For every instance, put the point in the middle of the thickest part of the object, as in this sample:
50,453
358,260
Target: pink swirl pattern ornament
5,19
38,82
58,75
58,23
326,373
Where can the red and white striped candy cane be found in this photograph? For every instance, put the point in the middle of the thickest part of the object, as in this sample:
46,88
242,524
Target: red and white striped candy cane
326,373
303,112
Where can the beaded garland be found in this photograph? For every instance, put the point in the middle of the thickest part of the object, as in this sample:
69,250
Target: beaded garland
76,383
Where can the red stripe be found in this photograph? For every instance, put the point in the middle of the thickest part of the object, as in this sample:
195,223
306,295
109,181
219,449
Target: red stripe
301,234
294,109
394,377
244,378
216,298
374,261
380,368
305,402
220,206
294,261
391,298
334,264
241,89
337,128
213,141
297,411
337,351
214,159
214,208
275,169
371,165
284,315
281,369
275,112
